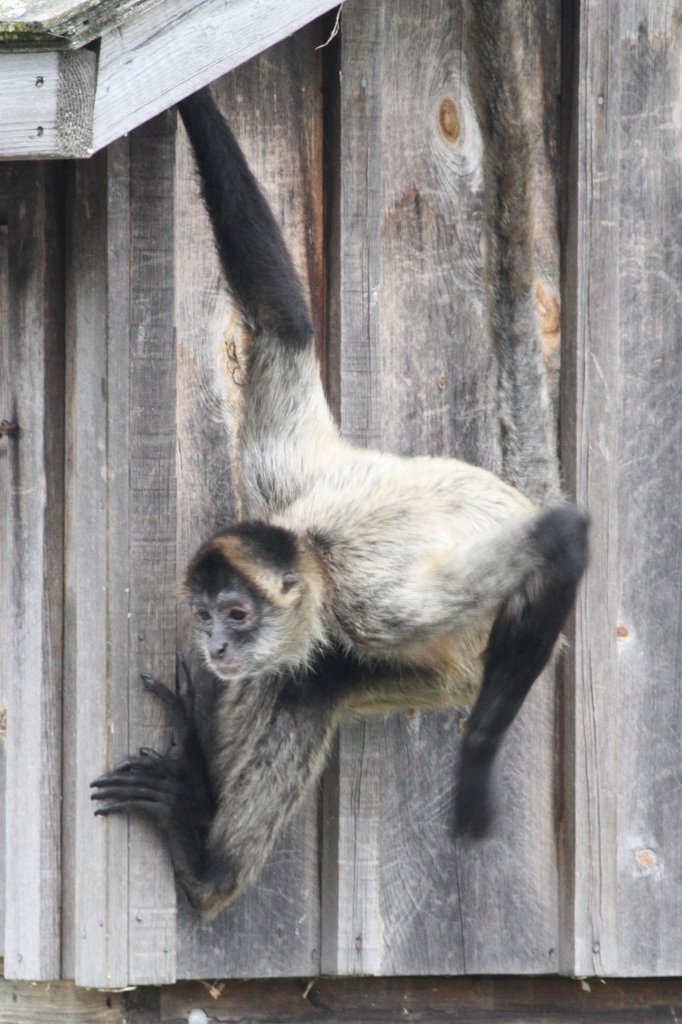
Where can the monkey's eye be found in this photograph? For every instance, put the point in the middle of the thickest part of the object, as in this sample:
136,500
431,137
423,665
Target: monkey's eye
202,614
237,614
288,580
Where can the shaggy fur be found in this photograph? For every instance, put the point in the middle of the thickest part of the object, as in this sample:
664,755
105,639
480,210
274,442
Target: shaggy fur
363,581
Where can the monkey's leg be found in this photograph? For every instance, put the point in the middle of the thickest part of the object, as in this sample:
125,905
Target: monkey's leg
520,645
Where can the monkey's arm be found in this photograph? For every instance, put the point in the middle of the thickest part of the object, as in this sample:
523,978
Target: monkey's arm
222,811
174,789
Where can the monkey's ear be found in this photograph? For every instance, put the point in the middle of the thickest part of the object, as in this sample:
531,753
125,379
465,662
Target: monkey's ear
289,580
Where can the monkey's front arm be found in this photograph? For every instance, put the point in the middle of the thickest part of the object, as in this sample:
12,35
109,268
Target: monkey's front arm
219,837
173,790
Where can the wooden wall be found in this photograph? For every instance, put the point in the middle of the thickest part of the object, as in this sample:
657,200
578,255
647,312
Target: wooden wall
120,360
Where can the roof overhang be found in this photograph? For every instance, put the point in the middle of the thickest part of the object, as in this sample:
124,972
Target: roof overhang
78,74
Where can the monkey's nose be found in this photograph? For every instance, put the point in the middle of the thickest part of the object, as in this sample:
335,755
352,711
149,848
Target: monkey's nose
219,651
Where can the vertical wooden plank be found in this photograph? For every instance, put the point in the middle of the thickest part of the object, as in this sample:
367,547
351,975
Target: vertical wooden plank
33,515
624,717
121,542
152,524
95,881
274,106
5,611
417,375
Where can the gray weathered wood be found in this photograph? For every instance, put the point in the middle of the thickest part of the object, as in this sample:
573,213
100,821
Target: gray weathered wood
53,24
121,542
33,518
274,106
624,264
165,53
46,104
427,1000
417,375
58,1002
5,550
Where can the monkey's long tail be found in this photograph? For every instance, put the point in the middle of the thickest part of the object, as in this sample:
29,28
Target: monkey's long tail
257,266
527,424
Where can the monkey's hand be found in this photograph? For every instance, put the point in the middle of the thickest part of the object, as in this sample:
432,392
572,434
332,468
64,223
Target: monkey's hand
173,789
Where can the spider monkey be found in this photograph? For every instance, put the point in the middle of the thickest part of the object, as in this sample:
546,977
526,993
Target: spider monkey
358,581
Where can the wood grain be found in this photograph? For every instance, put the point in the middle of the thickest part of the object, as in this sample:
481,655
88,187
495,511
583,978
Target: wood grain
46,110
60,23
274,107
166,53
58,1002
33,516
6,624
428,1000
621,420
121,542
417,375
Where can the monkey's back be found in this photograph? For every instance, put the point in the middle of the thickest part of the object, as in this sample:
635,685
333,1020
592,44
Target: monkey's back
391,533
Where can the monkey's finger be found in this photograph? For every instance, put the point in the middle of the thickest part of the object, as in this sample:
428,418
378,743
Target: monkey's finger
120,792
157,783
160,689
130,764
152,754
133,769
184,687
145,808
183,680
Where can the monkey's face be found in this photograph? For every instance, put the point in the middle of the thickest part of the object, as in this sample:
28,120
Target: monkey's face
254,609
228,626
243,634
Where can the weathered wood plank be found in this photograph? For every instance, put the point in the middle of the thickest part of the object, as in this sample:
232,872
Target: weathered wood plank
428,1000
274,105
95,882
58,1002
5,553
34,519
151,451
59,23
46,105
624,256
417,375
165,53
121,541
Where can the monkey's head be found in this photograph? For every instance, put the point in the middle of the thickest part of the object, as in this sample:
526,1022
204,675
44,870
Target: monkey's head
255,591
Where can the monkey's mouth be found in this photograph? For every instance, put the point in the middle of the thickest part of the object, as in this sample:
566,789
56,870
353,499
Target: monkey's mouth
229,666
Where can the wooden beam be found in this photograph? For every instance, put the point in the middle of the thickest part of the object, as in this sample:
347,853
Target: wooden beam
165,53
57,24
47,104
438,1000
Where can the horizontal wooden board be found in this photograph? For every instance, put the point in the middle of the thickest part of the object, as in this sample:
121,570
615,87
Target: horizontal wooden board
59,23
46,105
427,1000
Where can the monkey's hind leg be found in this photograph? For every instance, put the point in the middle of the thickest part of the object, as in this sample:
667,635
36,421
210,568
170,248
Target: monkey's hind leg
520,645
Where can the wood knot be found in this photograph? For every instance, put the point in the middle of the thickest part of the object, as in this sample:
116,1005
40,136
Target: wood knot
449,121
7,428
